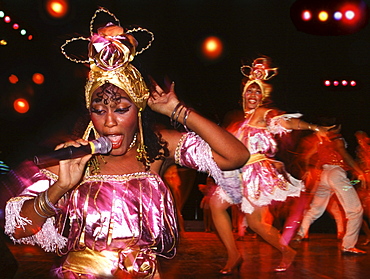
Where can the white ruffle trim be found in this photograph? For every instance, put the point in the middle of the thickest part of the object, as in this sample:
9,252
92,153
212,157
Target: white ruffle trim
276,128
294,190
230,181
47,238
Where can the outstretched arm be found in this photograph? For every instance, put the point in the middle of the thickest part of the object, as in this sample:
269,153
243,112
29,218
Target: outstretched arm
228,152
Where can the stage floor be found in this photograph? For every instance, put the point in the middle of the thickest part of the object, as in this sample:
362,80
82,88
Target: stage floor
201,255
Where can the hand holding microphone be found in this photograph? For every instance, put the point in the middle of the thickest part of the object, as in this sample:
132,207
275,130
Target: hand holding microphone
100,146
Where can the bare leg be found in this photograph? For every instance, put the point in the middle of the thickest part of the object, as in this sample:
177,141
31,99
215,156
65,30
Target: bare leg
271,235
222,223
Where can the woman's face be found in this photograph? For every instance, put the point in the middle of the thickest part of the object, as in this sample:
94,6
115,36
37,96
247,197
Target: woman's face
114,115
253,96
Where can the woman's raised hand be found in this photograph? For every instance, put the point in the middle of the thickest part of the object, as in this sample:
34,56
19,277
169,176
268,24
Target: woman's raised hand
162,101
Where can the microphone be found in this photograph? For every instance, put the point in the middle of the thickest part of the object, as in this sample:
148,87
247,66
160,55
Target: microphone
100,146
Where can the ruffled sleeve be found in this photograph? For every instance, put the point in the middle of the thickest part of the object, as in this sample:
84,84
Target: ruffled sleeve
48,237
193,152
274,122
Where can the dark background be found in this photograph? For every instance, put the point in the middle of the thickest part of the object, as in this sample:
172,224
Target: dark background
248,28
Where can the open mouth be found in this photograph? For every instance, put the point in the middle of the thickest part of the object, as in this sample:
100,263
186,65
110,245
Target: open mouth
116,140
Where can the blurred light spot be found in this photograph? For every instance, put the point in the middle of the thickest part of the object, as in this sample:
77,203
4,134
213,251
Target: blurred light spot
57,8
323,16
21,105
38,78
212,47
13,79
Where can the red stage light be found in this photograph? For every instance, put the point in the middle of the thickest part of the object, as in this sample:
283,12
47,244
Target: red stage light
57,8
7,19
21,105
344,82
212,47
38,78
327,83
353,83
13,79
335,83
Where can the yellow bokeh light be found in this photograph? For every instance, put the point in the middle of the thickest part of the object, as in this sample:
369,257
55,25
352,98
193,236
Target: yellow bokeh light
323,16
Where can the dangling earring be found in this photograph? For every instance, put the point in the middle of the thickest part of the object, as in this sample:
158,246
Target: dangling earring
93,164
132,144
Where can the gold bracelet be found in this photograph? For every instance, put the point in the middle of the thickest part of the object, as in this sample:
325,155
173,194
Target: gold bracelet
43,206
35,208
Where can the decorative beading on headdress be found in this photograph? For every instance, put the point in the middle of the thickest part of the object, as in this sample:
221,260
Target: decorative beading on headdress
110,52
258,73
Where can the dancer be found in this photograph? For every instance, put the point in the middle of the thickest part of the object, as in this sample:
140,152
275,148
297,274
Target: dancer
335,161
363,160
110,215
263,179
207,190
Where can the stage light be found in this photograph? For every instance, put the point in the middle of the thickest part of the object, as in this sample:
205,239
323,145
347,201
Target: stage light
306,15
23,32
15,26
21,105
323,16
38,78
30,37
212,48
330,17
2,14
338,15
13,79
349,15
57,8
341,84
7,19
3,42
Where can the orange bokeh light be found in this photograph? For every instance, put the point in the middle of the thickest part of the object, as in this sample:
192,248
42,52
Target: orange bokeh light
212,47
57,8
21,105
13,79
38,78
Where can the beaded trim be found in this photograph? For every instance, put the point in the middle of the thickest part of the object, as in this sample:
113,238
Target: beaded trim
178,149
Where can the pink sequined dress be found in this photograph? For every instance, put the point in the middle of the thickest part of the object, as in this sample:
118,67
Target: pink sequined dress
261,182
115,222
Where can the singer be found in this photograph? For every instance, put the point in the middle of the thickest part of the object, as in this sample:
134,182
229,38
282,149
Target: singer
111,215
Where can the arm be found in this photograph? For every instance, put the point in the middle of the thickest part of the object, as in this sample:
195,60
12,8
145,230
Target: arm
69,174
298,124
340,146
228,152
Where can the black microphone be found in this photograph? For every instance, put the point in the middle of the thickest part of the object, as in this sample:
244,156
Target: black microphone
100,146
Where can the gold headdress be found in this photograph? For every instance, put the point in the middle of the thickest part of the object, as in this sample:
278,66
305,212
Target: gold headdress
258,73
110,52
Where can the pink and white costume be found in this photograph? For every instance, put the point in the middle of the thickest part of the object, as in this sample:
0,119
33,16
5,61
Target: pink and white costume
261,183
113,222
